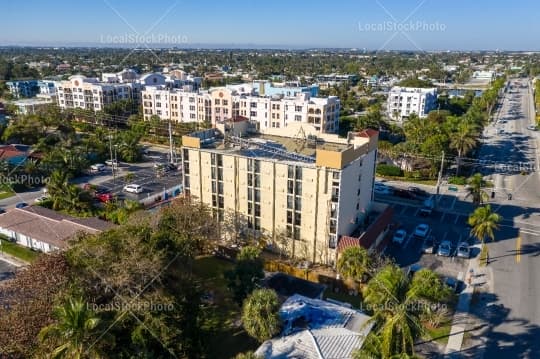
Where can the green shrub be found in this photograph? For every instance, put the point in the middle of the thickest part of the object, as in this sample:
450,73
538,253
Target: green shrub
459,180
389,170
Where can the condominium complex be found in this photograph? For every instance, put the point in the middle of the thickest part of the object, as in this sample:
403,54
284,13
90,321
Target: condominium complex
301,193
227,103
30,88
404,101
94,93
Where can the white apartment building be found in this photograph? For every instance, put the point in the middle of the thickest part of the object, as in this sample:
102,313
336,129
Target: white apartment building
226,103
404,101
301,197
90,93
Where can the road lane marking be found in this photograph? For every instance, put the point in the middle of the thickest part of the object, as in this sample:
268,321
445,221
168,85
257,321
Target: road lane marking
518,249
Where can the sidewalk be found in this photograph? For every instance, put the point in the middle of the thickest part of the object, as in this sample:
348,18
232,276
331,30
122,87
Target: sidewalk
12,260
462,321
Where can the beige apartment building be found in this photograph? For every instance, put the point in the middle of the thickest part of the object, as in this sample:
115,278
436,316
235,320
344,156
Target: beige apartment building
221,104
301,194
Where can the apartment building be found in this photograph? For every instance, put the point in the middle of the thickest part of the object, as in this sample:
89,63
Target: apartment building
302,194
30,88
404,101
222,104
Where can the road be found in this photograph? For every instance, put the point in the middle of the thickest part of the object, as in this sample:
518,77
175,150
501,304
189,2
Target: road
515,261
6,270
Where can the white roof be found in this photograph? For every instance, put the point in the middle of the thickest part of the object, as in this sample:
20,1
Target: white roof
333,331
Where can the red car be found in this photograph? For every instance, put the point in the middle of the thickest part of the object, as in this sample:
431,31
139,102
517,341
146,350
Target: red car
104,197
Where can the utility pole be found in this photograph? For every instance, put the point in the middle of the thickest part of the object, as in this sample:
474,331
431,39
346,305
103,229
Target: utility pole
111,153
171,150
439,180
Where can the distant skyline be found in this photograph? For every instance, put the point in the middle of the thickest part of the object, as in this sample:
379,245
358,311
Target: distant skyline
420,25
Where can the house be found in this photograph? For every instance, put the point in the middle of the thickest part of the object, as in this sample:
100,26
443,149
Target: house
45,230
314,328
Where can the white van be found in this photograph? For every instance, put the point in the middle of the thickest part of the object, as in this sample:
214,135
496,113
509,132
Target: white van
133,188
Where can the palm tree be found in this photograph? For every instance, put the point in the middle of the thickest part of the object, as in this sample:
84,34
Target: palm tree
398,303
260,314
476,183
71,335
463,140
354,263
57,187
484,222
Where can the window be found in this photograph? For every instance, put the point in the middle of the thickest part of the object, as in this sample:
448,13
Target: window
250,179
290,186
186,155
289,217
297,219
225,102
220,160
335,175
298,188
290,202
298,173
298,203
217,101
257,210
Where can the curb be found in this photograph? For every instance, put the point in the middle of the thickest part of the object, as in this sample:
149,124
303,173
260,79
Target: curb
12,260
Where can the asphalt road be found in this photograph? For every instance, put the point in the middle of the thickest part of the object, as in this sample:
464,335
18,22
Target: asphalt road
6,270
515,261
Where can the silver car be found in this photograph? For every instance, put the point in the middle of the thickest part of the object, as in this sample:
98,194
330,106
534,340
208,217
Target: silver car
445,249
463,250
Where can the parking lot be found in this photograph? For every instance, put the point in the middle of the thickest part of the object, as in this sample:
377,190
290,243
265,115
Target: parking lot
444,226
144,174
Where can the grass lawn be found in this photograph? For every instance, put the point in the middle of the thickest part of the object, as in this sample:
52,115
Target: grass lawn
6,194
441,333
226,337
18,251
430,182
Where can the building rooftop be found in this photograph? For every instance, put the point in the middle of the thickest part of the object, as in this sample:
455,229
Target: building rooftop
49,226
297,142
315,328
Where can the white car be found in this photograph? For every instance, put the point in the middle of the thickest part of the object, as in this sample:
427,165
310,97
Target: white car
98,167
112,163
422,230
399,236
532,128
133,188
41,199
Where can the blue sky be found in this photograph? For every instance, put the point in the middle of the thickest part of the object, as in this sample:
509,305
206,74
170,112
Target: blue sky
371,24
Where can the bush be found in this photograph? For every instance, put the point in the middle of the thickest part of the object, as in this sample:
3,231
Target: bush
389,170
458,180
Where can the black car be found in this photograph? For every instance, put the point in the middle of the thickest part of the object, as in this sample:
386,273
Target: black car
418,191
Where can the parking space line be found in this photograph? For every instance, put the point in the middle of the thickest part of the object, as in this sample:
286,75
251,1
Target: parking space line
442,217
403,210
453,203
416,212
457,218
444,236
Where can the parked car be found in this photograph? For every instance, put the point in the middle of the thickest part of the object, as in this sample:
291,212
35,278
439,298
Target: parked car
413,268
2,211
112,163
403,193
21,205
97,167
418,191
41,199
453,283
399,236
425,212
133,188
445,249
380,188
428,246
104,197
422,230
463,250
532,128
